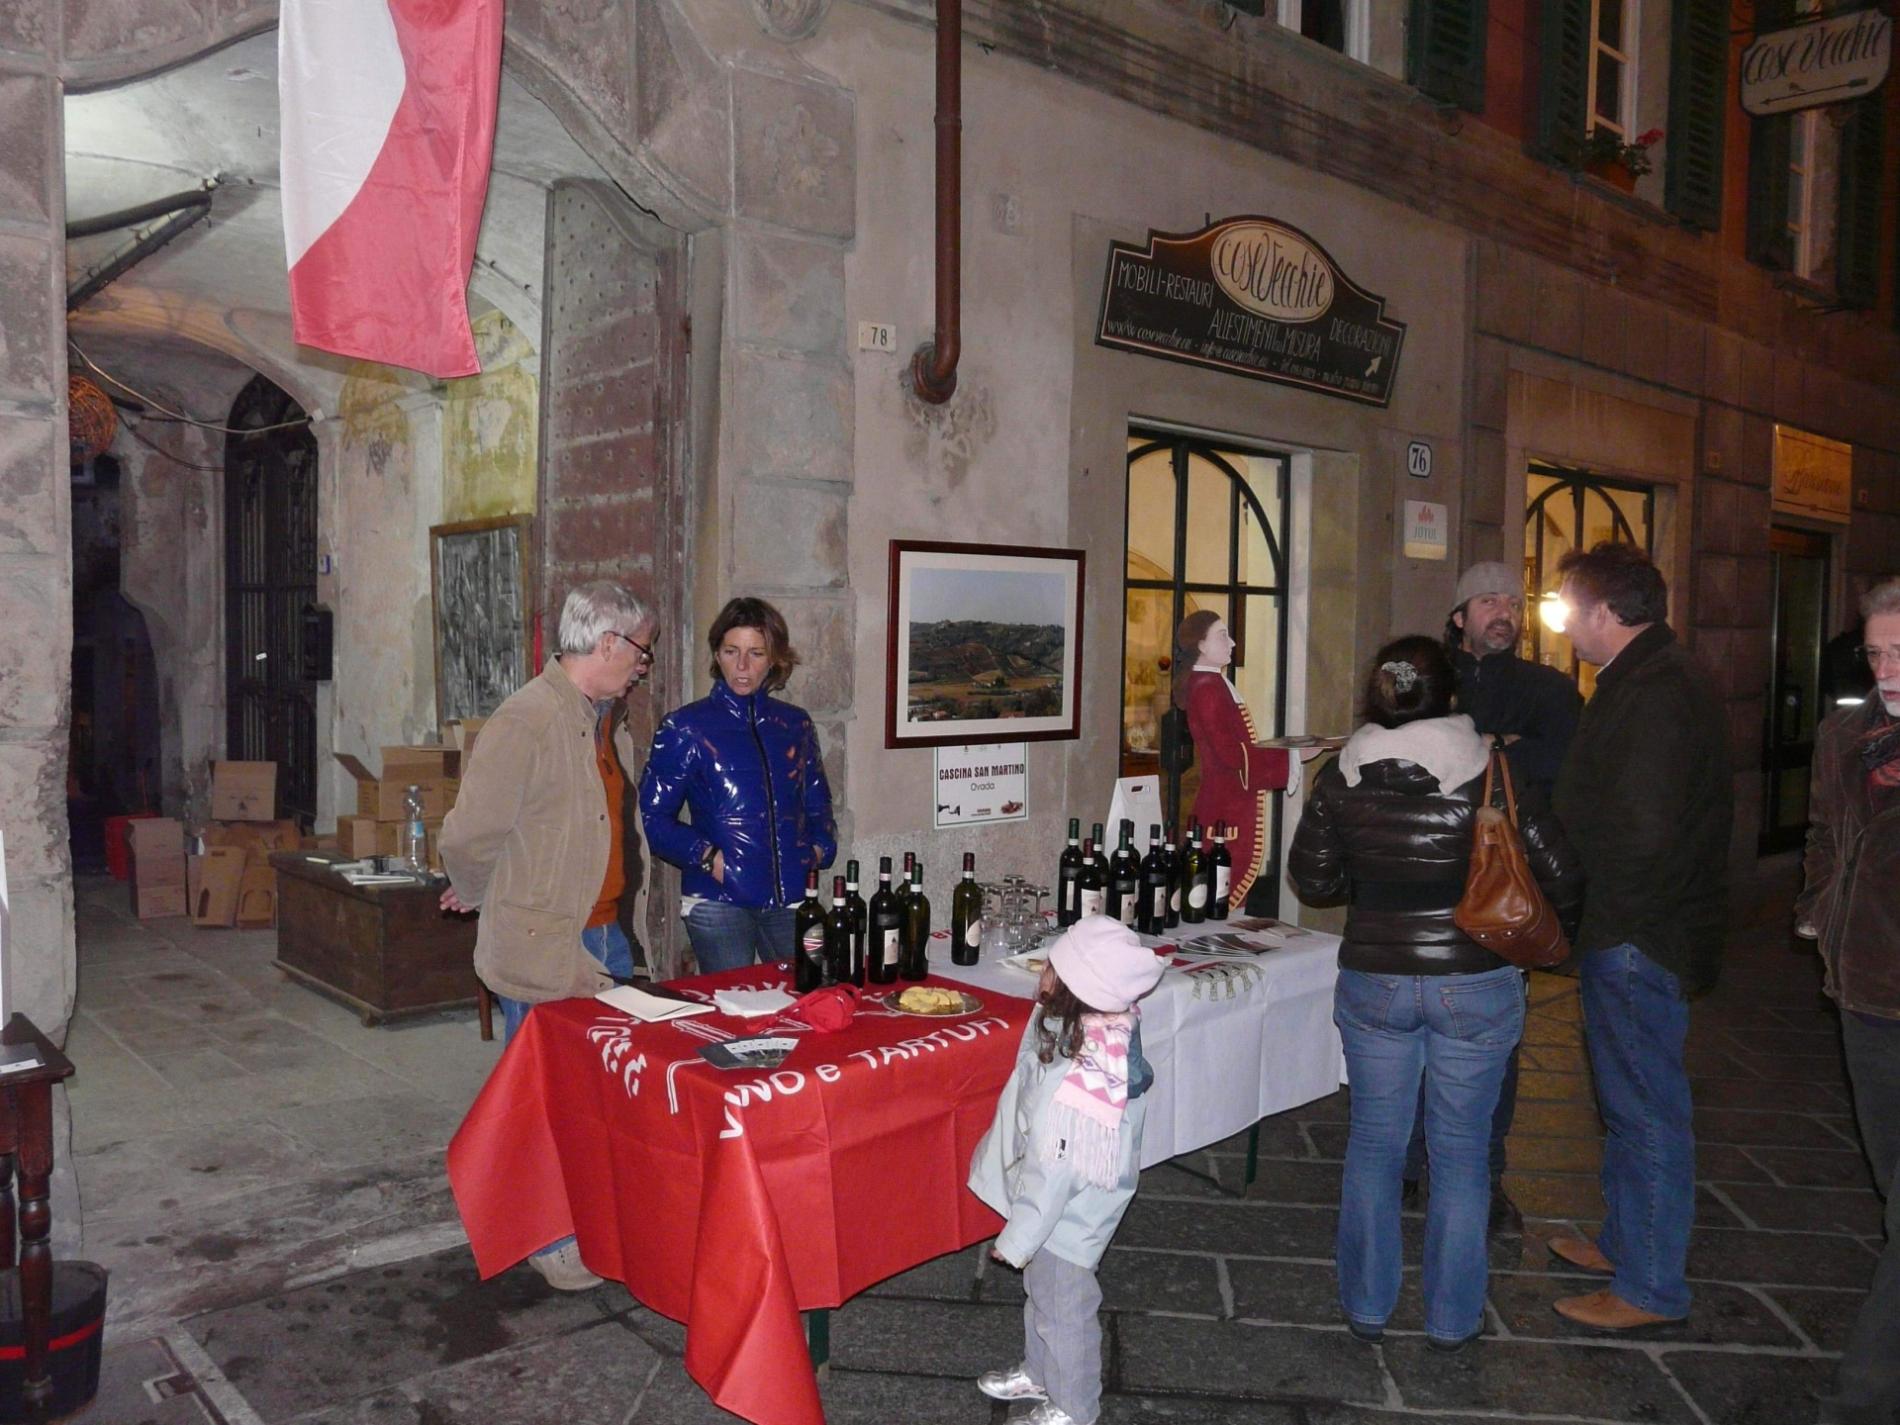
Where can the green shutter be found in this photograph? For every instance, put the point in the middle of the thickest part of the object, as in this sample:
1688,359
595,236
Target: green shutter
1563,77
1698,94
1857,233
1249,7
1444,50
1770,146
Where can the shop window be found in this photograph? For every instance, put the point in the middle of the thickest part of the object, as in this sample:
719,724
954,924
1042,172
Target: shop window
1566,510
1206,530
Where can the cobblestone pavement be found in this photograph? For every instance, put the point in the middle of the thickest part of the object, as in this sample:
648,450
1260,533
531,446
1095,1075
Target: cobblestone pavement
1219,1301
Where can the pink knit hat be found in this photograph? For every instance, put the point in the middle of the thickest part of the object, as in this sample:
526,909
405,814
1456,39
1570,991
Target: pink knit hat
1102,961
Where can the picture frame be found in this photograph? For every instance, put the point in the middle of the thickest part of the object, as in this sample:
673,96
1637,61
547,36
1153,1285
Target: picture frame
984,644
482,589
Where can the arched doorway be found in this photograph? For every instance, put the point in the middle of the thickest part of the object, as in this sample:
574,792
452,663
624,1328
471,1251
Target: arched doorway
270,542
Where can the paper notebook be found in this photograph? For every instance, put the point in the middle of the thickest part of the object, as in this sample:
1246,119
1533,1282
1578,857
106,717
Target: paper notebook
649,1006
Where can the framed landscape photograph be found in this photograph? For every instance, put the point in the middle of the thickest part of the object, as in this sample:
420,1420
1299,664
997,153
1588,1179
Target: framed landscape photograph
985,644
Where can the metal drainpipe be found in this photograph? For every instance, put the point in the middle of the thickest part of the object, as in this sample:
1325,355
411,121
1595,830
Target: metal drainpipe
933,369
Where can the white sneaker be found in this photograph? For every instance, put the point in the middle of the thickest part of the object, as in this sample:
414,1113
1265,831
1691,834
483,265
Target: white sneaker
1012,1384
1047,1414
564,1270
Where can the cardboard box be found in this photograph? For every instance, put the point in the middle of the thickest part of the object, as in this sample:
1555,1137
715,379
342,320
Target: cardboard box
158,902
160,868
220,874
243,791
460,733
360,836
152,838
432,770
257,898
258,838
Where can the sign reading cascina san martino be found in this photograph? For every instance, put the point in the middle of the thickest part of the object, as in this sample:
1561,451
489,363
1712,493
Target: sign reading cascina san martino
1256,297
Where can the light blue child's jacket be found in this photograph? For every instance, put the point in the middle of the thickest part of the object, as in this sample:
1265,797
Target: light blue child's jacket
1047,1203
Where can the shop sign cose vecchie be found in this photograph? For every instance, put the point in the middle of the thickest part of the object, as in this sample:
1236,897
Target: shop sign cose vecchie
1255,297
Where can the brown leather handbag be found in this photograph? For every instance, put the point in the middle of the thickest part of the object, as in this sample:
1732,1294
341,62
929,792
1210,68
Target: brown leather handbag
1503,907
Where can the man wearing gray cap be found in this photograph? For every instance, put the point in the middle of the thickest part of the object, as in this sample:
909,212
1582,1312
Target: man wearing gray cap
1534,710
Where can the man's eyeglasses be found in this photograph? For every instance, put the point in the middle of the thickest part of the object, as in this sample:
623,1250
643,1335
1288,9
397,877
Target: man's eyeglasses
646,654
1873,654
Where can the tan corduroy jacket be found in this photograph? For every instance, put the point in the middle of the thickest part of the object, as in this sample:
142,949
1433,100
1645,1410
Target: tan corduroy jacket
527,840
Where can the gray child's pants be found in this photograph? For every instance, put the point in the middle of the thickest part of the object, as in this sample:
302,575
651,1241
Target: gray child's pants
1062,1334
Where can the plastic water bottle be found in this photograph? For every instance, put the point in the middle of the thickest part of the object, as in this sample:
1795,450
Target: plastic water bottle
413,850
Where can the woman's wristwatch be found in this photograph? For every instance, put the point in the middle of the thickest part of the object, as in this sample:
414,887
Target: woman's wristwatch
707,858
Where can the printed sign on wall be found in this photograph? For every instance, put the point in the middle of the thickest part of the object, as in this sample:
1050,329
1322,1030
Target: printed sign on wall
1426,533
980,783
1255,297
1825,61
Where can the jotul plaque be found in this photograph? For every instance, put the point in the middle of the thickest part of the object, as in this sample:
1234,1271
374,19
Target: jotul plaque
1255,297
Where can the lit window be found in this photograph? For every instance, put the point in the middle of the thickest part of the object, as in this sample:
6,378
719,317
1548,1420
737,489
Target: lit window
1612,66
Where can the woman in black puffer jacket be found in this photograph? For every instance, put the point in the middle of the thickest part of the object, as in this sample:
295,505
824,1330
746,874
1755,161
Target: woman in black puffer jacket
1387,830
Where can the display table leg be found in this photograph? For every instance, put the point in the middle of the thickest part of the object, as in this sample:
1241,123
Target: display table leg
34,1108
818,1340
1253,1157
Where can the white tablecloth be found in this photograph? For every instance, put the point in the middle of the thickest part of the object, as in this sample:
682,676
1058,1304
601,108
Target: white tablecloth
1230,1042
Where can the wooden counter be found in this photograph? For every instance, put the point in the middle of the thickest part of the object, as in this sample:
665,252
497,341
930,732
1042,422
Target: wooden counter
385,951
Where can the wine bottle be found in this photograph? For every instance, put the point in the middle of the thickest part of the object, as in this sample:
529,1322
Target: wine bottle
860,922
966,916
1171,858
1068,870
808,933
887,924
1193,878
1124,883
903,881
914,944
838,936
1221,892
1151,915
1091,885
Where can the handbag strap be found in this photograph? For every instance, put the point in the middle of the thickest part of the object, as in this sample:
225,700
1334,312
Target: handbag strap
1502,765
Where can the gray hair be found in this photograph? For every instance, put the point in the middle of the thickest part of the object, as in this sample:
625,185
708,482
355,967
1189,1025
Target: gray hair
600,607
1883,598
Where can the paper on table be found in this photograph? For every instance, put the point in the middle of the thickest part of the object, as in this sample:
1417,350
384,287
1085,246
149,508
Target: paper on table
630,999
752,1004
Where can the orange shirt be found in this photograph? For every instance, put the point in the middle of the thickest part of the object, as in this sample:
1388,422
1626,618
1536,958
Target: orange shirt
614,783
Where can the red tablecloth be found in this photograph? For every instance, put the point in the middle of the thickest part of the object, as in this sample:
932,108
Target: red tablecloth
732,1200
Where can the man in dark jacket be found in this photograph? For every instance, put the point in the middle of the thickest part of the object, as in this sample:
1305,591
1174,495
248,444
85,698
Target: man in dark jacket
1534,710
1645,797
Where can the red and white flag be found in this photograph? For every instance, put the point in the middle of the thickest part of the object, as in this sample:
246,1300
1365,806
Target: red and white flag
388,118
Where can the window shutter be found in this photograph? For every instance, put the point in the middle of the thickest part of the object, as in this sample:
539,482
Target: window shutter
1249,7
1444,50
1698,93
1563,79
1857,235
1770,146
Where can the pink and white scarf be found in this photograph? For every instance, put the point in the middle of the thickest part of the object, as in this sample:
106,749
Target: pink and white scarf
1087,1107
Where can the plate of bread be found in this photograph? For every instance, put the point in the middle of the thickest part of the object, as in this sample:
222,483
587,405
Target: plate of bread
931,1001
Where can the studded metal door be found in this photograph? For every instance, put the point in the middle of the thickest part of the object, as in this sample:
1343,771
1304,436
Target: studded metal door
270,570
614,446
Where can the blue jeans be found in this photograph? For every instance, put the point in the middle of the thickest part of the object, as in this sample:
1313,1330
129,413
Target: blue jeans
607,944
1634,1023
727,936
1501,1117
1454,1032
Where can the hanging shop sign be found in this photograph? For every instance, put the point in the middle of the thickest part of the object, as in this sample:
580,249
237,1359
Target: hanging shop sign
1814,476
1255,297
1822,62
981,783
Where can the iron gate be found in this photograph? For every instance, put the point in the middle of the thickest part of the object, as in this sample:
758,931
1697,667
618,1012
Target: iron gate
270,572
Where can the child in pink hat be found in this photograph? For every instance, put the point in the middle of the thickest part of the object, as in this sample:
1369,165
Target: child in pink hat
1061,1159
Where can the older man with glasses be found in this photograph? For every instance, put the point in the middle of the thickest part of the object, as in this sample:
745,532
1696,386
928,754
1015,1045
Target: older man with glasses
542,837
1851,907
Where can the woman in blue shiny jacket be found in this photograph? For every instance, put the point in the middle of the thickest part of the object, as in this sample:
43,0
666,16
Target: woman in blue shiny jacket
746,767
